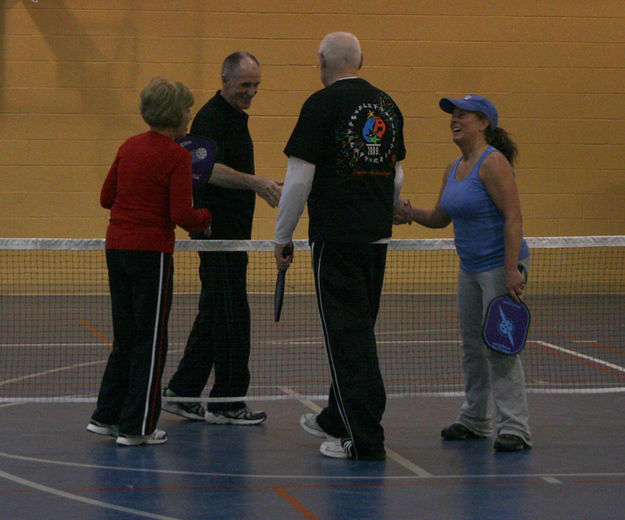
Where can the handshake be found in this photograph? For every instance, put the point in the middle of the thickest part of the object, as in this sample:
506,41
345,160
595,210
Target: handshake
403,212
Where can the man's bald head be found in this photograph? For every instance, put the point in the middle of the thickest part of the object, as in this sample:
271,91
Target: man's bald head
339,56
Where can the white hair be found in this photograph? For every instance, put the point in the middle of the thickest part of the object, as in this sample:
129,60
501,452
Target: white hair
341,50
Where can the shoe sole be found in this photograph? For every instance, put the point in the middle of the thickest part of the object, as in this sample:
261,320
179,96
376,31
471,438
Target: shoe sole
502,448
333,454
182,413
312,431
462,438
128,441
468,435
102,430
216,419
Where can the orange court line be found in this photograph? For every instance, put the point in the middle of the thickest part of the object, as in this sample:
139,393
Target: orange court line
96,333
296,504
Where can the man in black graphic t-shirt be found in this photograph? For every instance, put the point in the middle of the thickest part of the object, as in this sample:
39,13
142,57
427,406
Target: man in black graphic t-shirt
344,161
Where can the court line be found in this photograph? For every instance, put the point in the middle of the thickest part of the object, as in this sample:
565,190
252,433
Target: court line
10,403
77,498
576,339
485,476
391,454
54,345
294,503
585,357
51,371
96,333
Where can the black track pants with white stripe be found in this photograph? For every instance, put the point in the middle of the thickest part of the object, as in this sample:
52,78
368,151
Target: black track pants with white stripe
348,281
141,289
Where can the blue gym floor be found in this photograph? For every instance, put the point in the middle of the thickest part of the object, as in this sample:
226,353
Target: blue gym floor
52,468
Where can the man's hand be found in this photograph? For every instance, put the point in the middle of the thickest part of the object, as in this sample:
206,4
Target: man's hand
283,262
268,189
229,178
402,212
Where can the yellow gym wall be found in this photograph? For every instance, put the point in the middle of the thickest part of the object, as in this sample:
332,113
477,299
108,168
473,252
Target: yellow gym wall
71,72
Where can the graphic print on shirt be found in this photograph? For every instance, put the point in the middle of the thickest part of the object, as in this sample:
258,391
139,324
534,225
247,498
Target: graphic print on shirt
367,143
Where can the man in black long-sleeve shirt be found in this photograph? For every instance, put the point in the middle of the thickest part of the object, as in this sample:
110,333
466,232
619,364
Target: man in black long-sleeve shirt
221,332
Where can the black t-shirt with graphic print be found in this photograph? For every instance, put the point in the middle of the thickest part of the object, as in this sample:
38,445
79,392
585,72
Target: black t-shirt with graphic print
353,133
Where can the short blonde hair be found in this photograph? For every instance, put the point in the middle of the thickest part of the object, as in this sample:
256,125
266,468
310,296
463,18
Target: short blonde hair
163,103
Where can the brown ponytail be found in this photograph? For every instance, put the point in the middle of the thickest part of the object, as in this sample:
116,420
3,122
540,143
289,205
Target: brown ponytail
499,138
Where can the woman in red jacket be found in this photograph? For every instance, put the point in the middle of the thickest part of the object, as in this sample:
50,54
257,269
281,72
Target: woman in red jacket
148,190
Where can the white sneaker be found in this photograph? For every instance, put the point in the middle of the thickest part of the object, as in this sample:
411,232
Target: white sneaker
156,437
309,424
110,430
337,448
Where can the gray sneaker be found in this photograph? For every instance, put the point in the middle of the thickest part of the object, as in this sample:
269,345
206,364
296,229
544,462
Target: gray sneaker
193,411
110,430
309,424
242,416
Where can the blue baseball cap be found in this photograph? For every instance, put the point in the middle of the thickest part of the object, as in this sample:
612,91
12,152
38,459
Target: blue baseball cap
471,103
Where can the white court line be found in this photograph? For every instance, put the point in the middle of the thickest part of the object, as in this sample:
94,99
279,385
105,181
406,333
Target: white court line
51,371
402,461
77,498
27,345
319,341
56,345
59,369
300,341
472,476
598,361
10,403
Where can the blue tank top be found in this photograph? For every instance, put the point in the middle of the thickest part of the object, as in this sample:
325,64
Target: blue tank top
478,224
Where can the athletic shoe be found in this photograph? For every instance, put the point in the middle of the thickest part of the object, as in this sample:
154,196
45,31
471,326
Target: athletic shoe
338,448
242,416
510,442
193,411
156,437
344,449
111,430
309,423
459,432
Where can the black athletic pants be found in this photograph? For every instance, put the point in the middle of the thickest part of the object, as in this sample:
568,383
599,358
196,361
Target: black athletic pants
348,281
141,290
221,333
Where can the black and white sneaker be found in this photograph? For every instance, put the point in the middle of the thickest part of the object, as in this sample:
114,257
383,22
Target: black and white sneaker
343,448
338,448
193,411
242,416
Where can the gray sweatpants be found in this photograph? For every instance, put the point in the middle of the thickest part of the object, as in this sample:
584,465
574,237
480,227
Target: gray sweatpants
491,378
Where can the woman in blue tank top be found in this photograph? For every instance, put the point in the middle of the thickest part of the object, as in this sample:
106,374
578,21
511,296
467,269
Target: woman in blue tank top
479,195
